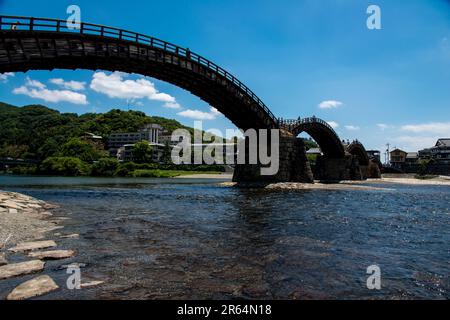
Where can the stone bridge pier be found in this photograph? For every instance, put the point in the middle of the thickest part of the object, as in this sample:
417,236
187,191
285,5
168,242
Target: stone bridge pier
338,162
293,164
338,169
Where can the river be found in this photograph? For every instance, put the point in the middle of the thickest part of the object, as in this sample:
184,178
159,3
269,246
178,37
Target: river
195,239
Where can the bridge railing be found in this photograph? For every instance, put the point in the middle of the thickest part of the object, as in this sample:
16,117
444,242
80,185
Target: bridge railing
297,122
19,23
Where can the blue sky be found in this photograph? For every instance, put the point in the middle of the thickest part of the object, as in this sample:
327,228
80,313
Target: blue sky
389,85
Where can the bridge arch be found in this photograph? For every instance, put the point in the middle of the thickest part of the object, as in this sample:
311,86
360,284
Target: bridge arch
357,149
321,132
28,43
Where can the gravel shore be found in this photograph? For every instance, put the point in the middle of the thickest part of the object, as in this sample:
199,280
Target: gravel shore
407,179
25,225
23,218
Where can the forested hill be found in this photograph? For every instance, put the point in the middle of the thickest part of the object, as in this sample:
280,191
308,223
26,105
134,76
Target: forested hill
37,132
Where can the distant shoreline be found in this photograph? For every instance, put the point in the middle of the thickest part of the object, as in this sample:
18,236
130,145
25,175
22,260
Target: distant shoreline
219,176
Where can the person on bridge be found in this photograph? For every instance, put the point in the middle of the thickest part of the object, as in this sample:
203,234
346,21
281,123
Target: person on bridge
188,53
14,26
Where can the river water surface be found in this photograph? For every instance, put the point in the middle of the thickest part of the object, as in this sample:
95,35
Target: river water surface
195,239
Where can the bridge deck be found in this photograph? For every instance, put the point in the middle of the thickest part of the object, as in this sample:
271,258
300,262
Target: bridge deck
27,41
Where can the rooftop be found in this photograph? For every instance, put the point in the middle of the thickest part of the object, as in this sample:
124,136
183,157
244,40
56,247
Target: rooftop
314,151
443,142
398,150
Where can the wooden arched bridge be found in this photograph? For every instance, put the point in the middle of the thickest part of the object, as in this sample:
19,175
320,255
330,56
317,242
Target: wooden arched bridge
47,44
28,43
320,131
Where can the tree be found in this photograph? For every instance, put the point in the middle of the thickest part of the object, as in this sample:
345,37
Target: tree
167,154
105,167
310,144
64,166
48,148
424,166
143,152
83,150
13,151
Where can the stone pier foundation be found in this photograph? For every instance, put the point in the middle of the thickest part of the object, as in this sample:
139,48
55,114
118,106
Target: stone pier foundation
293,165
346,168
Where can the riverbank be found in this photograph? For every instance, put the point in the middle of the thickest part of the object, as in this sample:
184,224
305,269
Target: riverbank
172,174
302,186
206,175
390,179
26,227
407,179
139,173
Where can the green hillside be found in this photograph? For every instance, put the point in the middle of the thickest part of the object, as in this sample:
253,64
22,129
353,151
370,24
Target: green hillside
37,132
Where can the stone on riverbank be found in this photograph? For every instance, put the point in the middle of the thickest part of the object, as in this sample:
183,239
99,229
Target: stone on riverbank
71,236
3,260
52,255
91,284
73,265
28,246
11,204
19,269
33,288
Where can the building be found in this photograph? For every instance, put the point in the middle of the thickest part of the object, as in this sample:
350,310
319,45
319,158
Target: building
398,158
440,153
167,139
412,158
149,132
92,137
374,154
125,153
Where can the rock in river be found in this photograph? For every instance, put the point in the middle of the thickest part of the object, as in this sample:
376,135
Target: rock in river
33,288
28,246
19,269
52,255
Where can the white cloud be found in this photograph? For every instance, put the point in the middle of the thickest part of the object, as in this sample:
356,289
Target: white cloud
352,128
439,128
414,143
200,115
333,124
116,86
38,90
330,104
4,76
172,105
35,84
215,111
70,85
382,126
